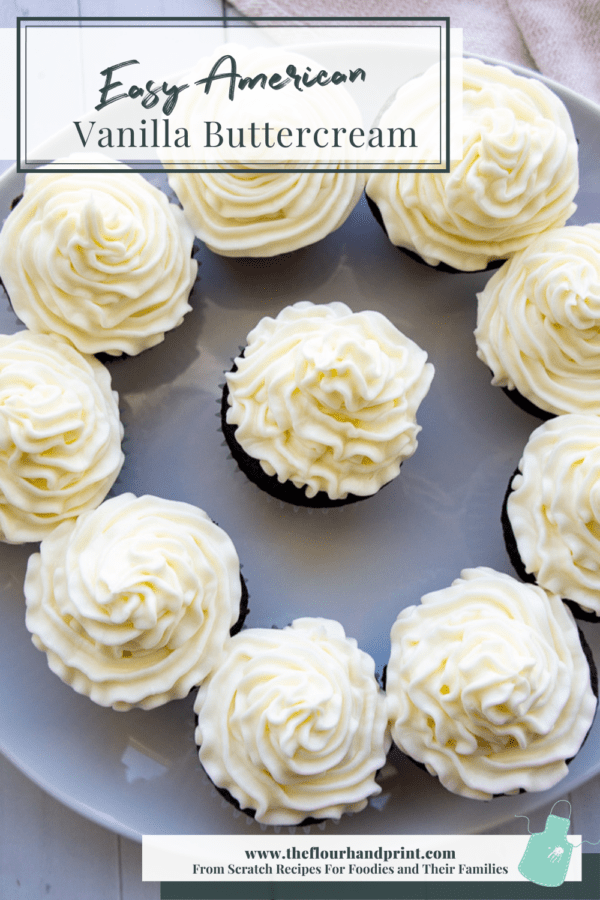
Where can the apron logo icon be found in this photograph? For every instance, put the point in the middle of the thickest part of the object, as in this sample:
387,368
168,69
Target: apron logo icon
548,853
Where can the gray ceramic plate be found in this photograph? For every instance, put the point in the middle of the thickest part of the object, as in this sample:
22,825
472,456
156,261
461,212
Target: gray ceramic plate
138,772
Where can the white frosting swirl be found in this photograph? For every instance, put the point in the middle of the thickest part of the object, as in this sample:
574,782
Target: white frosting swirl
488,685
101,258
293,723
518,175
60,434
242,212
133,602
554,508
327,398
538,321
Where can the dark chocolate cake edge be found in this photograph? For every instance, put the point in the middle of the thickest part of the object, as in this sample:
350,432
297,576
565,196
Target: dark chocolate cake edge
441,266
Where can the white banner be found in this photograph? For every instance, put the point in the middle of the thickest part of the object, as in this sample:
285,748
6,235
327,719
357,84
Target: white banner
297,857
187,94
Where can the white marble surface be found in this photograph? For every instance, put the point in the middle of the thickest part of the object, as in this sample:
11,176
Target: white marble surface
48,851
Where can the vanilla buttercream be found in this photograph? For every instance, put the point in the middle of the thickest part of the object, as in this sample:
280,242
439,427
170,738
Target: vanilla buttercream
554,508
538,321
488,685
292,723
60,434
327,398
237,211
517,177
101,258
133,602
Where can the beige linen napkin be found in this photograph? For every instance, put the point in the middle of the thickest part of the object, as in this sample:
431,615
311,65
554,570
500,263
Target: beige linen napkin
560,38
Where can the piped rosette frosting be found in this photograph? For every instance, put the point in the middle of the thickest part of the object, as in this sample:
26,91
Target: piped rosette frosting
101,258
554,508
236,209
488,685
60,434
538,321
517,177
327,398
292,723
133,602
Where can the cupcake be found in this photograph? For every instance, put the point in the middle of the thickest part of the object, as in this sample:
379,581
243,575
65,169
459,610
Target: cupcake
538,323
245,197
488,685
60,434
292,723
320,409
552,510
517,177
133,603
101,258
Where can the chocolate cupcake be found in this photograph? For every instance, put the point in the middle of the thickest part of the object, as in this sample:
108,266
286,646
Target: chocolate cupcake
551,514
320,409
292,724
133,604
488,685
538,322
241,212
517,176
101,258
60,435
